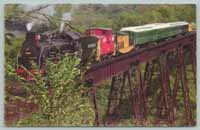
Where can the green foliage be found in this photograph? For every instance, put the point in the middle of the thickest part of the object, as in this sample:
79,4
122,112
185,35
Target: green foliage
127,19
118,16
102,97
12,51
61,9
114,16
61,103
12,10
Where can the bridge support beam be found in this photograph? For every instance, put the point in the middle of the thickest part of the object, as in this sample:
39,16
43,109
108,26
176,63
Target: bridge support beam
93,93
141,99
166,103
184,84
115,98
193,61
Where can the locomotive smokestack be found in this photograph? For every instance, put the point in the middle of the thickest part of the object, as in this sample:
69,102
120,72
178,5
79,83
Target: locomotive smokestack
62,25
29,26
65,17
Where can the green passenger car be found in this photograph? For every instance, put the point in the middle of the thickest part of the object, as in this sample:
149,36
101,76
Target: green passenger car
154,32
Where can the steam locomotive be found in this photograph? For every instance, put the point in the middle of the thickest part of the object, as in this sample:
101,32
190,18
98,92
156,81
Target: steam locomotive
38,47
95,44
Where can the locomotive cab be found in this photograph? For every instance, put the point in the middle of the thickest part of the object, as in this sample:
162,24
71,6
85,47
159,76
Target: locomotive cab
87,51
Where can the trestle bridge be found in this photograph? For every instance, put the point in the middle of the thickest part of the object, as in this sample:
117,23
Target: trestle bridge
133,74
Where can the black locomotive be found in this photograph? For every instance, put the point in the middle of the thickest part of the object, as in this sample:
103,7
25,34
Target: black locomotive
38,47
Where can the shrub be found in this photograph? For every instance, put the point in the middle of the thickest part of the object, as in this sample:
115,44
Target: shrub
60,102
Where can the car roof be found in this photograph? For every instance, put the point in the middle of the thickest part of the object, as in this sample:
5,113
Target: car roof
154,26
100,28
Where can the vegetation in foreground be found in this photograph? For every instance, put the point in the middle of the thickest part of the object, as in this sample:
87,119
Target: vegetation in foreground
61,102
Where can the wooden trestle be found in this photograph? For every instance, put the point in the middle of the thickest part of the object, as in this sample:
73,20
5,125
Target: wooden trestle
161,62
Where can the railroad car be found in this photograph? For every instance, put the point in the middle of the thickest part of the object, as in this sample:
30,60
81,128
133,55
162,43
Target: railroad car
106,44
139,35
123,45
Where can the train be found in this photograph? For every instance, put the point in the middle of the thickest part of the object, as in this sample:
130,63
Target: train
94,45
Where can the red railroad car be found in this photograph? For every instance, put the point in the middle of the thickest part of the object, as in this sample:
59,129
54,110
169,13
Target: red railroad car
106,45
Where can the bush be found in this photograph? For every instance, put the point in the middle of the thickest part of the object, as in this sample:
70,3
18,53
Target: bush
61,103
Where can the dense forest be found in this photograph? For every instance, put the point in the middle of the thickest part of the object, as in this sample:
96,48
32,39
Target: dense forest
111,16
28,104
